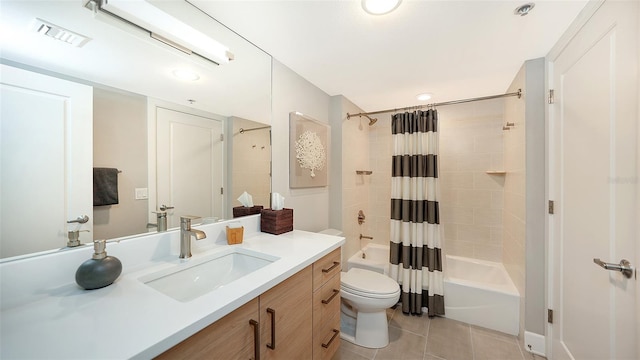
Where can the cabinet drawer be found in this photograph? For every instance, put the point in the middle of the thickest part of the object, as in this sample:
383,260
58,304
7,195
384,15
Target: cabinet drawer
326,302
326,340
325,268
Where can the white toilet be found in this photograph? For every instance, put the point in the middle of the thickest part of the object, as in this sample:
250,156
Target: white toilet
366,295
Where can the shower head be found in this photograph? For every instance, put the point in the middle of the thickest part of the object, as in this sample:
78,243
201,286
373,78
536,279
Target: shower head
371,120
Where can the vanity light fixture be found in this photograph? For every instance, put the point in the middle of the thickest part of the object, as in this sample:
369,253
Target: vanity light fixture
380,7
423,97
186,75
164,27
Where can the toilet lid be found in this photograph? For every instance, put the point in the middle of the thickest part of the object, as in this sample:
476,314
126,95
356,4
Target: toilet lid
367,281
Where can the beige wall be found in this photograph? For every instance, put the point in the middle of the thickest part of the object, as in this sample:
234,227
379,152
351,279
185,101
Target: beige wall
120,141
355,188
291,92
471,139
380,152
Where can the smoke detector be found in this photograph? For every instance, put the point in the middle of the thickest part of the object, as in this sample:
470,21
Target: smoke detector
523,10
58,33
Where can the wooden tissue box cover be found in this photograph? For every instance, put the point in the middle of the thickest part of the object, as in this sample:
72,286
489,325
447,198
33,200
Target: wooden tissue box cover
235,235
276,221
239,211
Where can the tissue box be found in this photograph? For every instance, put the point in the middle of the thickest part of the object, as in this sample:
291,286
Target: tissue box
235,235
239,211
276,221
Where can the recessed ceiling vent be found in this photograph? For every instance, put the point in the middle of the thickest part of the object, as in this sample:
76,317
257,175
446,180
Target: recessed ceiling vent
58,33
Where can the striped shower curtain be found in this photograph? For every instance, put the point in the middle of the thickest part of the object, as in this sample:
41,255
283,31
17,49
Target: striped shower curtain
415,253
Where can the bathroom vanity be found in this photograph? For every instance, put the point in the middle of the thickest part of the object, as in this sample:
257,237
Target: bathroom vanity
297,319
132,319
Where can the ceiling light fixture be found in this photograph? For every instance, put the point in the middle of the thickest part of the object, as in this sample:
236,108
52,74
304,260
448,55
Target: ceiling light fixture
523,10
423,97
186,75
380,7
165,28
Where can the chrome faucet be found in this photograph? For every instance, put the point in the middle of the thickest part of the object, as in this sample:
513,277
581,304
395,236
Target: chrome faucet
186,232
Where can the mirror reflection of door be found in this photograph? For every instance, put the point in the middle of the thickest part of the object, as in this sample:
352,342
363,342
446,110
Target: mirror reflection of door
189,160
45,177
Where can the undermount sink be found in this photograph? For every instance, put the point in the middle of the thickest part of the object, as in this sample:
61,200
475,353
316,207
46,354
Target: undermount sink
185,282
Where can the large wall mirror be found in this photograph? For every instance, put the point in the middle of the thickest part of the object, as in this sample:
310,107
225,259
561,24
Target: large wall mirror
160,129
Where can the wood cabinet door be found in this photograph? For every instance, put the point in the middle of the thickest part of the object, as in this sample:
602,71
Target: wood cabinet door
231,337
286,318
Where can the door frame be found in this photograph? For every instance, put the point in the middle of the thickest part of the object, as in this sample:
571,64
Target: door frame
152,126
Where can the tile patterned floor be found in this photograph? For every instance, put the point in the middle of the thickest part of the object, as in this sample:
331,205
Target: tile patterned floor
421,338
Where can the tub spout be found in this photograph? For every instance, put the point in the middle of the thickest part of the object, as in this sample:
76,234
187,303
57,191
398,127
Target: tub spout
365,237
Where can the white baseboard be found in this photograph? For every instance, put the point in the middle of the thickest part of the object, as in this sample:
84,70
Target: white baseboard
534,343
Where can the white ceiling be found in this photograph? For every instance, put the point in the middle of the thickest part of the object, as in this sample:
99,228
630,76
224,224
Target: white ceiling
453,49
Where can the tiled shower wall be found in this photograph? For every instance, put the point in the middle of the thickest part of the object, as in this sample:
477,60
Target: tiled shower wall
380,150
355,188
471,200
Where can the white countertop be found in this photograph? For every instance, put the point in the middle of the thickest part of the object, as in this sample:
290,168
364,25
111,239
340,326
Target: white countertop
129,319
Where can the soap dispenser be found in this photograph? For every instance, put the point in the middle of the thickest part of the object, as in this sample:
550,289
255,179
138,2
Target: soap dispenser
99,271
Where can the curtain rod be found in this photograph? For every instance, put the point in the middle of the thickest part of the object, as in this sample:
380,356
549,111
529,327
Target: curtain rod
242,131
418,107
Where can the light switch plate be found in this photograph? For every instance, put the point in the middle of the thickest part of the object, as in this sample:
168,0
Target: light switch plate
142,193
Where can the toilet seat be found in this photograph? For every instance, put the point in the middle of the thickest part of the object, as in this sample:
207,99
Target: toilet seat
368,284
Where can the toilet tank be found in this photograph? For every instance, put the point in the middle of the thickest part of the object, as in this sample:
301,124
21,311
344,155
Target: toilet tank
334,232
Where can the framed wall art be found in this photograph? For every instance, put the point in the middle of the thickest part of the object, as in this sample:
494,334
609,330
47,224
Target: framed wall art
309,142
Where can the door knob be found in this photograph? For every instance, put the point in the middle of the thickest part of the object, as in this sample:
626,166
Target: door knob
81,220
624,267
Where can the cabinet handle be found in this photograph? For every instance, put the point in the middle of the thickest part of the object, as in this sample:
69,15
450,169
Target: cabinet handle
272,312
335,264
335,292
256,338
335,334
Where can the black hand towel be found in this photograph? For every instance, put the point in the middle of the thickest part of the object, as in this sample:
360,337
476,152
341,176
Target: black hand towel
105,186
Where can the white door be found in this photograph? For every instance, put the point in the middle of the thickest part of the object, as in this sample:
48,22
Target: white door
189,164
594,182
46,159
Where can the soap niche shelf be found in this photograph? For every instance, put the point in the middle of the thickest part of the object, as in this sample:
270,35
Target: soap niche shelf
496,172
364,172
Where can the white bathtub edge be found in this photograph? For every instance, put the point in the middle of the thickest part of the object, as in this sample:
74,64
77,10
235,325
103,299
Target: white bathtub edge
535,343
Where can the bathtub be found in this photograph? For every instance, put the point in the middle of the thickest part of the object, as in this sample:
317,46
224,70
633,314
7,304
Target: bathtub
475,291
376,258
481,293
